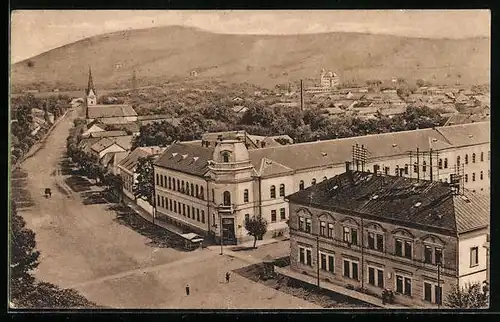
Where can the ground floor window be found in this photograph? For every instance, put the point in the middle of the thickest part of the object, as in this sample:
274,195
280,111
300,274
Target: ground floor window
273,215
432,293
351,269
403,285
305,255
376,276
327,262
282,214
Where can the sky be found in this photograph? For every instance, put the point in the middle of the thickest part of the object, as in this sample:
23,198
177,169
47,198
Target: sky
36,31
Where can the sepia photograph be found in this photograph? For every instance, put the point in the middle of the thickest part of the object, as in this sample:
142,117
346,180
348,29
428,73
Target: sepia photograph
249,159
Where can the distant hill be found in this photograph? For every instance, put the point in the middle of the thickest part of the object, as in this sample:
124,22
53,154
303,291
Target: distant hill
171,53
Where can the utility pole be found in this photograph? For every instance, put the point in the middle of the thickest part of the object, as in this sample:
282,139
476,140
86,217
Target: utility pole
430,162
418,165
221,235
439,284
317,256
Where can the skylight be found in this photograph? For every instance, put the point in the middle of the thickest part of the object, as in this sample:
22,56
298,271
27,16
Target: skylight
324,154
184,156
374,197
418,204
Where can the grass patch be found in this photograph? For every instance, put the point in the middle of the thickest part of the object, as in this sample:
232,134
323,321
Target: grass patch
322,297
159,236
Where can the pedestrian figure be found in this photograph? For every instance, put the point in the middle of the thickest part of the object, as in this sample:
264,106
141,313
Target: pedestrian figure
227,277
187,289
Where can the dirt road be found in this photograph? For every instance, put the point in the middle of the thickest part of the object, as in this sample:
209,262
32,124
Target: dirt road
84,247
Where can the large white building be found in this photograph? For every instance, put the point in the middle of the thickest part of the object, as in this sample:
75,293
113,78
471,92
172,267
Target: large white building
204,185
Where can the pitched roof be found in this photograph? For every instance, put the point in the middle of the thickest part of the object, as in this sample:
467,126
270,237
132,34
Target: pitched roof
102,134
186,158
472,212
104,111
427,205
86,144
270,168
130,161
467,134
124,141
102,144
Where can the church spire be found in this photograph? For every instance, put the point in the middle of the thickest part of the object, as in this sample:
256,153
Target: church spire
90,86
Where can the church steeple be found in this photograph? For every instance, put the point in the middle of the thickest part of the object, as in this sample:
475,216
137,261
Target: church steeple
90,92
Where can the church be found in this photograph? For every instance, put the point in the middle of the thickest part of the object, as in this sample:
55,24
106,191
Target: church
106,113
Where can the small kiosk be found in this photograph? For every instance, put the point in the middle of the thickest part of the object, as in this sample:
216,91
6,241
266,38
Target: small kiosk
192,241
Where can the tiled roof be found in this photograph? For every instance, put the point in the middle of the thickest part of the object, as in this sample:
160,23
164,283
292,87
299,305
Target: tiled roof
329,152
102,144
124,141
103,134
463,135
472,212
186,158
270,168
86,144
116,120
406,201
132,159
103,111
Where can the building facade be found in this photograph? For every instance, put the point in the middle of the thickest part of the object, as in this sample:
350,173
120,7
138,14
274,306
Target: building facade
260,177
371,232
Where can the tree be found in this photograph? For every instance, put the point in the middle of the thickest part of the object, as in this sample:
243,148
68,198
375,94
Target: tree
48,295
256,227
468,297
23,256
145,186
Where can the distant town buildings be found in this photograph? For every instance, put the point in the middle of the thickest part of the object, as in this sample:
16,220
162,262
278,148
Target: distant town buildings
417,238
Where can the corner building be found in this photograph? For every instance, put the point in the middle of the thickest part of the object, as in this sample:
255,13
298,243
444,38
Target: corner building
226,177
417,238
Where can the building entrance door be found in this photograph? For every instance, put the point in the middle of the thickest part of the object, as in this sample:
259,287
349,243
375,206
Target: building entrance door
228,235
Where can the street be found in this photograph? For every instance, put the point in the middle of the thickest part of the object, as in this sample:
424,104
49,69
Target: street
84,247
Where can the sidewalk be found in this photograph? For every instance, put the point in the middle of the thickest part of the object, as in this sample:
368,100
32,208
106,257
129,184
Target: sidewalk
336,288
149,217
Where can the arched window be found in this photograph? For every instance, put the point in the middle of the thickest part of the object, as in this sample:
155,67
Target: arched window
192,189
473,158
178,185
227,198
169,183
245,195
187,188
213,194
440,163
482,156
301,185
225,157
282,190
173,183
183,188
273,192
202,194
446,163
313,182
458,161
466,159
424,166
157,179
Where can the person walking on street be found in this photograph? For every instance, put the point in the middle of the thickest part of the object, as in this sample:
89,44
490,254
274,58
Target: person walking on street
187,289
227,277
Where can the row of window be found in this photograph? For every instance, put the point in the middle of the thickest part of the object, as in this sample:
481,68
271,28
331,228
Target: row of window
403,247
313,182
375,276
181,209
481,176
182,186
272,191
466,161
